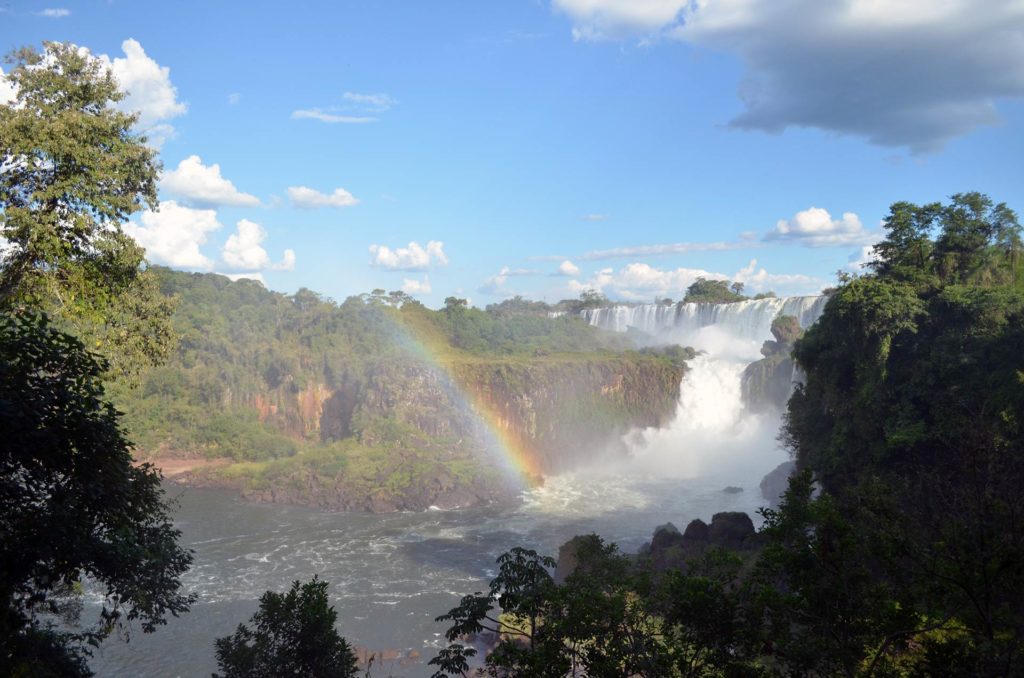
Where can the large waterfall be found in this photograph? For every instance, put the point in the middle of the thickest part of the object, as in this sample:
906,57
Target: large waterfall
711,435
735,329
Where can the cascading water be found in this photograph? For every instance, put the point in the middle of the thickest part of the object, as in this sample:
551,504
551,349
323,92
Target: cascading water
392,574
711,436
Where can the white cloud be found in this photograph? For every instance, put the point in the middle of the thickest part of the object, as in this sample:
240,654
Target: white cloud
174,234
760,280
287,261
642,282
494,285
594,217
234,98
662,249
611,19
203,185
334,118
413,286
899,73
860,260
815,227
58,13
258,277
149,88
568,268
372,102
7,90
244,249
309,198
411,258
357,109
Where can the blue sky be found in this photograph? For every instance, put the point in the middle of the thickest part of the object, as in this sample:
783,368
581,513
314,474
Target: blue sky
543,147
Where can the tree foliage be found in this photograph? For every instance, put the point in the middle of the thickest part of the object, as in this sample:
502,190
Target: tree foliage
73,507
911,420
73,172
714,291
898,549
292,634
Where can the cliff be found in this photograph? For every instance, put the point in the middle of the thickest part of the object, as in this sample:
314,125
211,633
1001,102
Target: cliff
768,383
373,405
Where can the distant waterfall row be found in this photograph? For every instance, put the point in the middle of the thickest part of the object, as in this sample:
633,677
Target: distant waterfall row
749,320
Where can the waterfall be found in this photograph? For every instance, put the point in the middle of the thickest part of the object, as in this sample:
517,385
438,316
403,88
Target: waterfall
736,329
711,435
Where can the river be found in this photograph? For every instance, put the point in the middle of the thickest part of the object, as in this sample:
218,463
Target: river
390,575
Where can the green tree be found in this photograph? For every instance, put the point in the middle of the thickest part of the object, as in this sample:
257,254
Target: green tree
714,291
73,508
292,634
910,418
73,173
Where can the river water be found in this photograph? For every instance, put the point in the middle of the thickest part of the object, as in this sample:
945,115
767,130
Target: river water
390,575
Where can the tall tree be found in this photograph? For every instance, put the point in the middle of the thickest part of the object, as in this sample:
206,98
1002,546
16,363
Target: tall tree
73,508
293,634
72,173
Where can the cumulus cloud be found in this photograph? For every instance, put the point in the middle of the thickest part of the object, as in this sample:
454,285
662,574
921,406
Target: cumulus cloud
903,73
860,260
643,282
244,249
56,13
568,268
149,88
759,280
815,227
413,286
7,89
203,185
411,258
309,198
174,234
612,19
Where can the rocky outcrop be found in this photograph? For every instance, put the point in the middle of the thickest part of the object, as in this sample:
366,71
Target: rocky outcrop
561,413
768,383
729,530
775,484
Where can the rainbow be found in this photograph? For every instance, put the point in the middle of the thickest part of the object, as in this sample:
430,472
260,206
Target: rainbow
518,459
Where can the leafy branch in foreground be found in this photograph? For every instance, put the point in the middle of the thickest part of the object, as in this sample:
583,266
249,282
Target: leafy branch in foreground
73,507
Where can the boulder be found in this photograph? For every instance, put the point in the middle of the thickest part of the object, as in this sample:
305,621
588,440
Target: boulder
696,532
730,529
774,485
665,537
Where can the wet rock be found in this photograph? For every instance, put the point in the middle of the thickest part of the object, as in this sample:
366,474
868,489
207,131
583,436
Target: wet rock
665,537
774,485
696,532
730,529
732,489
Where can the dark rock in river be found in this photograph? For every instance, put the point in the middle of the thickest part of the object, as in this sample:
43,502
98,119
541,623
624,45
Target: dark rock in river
732,489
